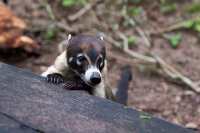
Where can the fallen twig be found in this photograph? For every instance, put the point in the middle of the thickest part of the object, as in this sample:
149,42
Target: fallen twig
121,59
143,35
82,11
129,52
168,69
132,53
173,27
154,59
64,26
49,10
174,74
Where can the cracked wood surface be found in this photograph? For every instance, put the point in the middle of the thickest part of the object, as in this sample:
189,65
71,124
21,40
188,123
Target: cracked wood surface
29,105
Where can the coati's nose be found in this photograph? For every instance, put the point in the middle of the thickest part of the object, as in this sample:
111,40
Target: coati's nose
95,78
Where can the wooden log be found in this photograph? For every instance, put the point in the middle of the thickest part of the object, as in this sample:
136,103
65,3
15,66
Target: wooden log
28,104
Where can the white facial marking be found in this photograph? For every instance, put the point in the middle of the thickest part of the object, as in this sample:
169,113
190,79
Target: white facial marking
81,54
101,64
100,56
69,37
90,71
101,37
77,61
70,59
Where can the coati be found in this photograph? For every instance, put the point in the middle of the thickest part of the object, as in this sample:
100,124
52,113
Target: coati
84,61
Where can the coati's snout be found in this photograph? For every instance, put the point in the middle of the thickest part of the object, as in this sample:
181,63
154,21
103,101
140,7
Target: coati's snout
95,78
93,75
86,57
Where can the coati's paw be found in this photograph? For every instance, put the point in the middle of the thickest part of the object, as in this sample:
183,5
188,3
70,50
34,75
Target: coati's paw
55,78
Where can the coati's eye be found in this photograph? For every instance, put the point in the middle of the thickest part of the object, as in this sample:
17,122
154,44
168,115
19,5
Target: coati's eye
80,59
100,63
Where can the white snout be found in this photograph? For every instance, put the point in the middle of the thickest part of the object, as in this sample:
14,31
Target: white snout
90,71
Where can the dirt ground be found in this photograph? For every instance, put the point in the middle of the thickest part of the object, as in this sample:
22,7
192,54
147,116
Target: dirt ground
149,91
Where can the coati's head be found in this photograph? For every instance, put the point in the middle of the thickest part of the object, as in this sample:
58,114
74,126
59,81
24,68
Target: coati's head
86,57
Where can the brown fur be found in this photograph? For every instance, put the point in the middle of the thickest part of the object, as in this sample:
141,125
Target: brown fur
92,47
84,44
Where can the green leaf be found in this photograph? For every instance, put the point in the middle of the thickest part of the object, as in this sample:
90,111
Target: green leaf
188,24
175,40
193,8
197,27
191,24
134,11
50,33
197,21
131,40
68,3
168,7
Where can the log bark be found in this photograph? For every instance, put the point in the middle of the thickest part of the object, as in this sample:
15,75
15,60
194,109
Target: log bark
30,105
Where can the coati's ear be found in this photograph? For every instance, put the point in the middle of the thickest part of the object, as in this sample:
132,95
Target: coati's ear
64,44
100,36
67,41
69,37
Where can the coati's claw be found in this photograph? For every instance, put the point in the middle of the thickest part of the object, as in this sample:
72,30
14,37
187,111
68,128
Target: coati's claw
55,78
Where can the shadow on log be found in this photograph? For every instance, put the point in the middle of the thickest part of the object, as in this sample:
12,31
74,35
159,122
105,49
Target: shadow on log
29,105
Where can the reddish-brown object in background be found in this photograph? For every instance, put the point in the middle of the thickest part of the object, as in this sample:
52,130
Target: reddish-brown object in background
11,31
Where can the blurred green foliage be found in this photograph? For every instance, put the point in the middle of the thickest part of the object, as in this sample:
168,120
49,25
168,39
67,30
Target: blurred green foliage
134,11
175,40
131,40
167,6
50,33
191,24
69,3
193,8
